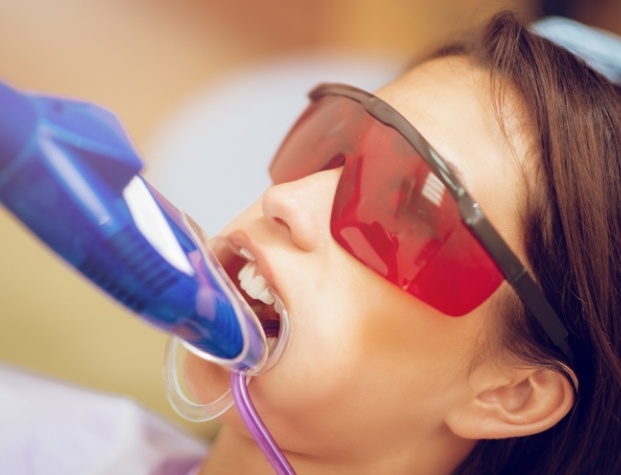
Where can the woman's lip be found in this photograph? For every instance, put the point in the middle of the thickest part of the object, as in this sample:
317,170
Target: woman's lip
239,240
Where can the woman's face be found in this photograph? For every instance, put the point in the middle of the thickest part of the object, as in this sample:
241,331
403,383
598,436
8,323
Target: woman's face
368,367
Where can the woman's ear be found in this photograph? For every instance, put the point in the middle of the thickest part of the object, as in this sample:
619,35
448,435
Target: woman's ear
512,402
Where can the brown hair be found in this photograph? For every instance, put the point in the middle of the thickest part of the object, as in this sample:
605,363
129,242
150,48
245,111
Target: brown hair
572,218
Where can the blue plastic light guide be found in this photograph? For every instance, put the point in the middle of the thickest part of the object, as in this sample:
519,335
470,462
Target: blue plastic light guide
70,174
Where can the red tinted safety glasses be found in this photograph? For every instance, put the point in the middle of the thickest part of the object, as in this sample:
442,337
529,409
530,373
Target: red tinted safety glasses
400,209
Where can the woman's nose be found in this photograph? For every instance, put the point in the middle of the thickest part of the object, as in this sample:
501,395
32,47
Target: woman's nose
303,207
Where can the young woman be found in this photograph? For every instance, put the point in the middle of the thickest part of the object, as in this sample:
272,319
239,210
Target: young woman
416,347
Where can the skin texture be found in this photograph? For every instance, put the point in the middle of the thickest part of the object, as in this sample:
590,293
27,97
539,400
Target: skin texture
375,381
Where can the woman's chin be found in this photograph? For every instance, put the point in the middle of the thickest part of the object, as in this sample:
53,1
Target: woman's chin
205,381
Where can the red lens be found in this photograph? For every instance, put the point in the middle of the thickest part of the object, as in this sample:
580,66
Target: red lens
390,211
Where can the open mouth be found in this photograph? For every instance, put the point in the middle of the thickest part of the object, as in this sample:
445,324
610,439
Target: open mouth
253,286
243,270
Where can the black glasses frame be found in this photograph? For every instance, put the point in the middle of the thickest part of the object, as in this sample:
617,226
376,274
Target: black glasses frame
514,272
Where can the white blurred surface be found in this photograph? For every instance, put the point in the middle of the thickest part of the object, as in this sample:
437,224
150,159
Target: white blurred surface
210,157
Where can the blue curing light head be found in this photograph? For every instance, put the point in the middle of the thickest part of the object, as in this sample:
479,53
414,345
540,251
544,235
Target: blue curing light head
69,173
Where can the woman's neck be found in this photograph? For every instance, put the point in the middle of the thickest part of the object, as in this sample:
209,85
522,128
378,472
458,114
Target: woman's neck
236,453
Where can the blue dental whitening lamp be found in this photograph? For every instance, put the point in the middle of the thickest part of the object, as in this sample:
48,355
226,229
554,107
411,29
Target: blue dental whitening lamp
69,173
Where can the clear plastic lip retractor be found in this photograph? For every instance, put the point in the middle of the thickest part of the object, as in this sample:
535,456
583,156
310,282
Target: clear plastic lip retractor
178,396
69,173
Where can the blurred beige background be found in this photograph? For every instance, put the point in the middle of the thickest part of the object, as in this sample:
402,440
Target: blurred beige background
141,58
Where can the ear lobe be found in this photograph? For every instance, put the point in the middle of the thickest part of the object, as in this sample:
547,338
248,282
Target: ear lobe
529,401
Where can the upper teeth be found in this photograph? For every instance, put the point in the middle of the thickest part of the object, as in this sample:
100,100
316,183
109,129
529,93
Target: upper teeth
247,254
254,284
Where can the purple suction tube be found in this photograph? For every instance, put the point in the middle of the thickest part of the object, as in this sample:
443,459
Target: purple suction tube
256,426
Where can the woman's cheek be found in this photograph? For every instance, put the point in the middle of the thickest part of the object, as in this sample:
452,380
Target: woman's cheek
315,369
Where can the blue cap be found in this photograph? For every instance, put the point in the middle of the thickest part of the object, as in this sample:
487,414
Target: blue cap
600,49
